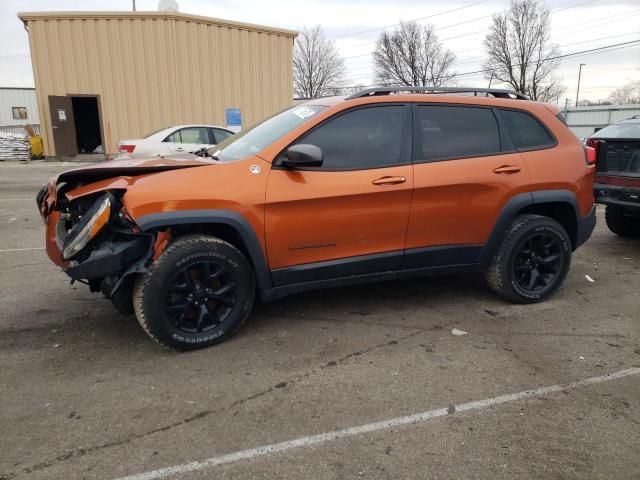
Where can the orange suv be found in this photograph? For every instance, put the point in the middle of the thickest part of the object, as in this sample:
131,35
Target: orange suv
386,183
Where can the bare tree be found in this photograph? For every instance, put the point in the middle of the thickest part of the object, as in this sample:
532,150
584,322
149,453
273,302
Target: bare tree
626,94
318,69
520,51
412,56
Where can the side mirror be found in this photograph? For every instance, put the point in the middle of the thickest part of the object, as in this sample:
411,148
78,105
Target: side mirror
302,155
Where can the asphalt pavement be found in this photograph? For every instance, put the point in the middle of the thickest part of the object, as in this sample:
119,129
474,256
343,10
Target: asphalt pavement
358,382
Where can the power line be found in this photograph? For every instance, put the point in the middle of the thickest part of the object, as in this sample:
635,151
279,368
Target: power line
566,55
475,59
414,19
628,14
615,46
454,25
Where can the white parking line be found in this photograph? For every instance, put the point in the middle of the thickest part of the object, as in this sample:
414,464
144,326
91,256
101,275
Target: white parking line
21,249
370,427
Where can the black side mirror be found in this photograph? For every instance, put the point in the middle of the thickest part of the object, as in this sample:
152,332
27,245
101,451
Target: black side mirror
302,155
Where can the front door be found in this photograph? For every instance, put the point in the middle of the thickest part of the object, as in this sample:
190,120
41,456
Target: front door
465,170
63,126
350,215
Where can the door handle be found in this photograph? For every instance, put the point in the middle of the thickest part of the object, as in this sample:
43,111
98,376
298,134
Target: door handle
507,169
389,180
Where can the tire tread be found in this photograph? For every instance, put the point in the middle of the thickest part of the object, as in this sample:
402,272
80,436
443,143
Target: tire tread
142,283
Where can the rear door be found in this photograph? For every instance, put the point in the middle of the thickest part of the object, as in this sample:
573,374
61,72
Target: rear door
218,135
350,215
188,140
63,126
465,170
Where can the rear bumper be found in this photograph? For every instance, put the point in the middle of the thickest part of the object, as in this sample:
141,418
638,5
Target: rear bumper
622,196
585,227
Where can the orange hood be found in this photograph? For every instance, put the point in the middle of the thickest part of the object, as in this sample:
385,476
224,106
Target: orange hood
129,167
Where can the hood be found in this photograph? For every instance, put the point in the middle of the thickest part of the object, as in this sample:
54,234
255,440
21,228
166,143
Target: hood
130,167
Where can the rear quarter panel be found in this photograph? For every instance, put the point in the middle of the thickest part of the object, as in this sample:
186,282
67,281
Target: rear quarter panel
562,167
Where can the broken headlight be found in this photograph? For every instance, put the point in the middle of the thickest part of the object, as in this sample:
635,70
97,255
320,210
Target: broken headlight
90,225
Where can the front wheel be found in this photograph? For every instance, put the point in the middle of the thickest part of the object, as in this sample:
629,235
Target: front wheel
532,261
197,293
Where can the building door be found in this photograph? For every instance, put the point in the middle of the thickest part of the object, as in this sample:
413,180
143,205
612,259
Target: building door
63,125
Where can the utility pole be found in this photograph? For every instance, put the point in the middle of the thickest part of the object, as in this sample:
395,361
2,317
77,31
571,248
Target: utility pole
134,5
566,106
579,75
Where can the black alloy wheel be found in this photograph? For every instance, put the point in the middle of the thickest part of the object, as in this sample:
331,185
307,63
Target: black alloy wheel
531,261
197,293
538,261
200,297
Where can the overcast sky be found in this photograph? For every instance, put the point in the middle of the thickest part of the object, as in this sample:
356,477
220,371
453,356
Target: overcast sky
578,25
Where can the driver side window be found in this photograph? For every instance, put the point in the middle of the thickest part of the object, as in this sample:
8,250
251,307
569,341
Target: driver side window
365,138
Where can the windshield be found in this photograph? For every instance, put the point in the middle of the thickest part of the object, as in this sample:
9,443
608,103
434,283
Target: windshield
620,130
264,134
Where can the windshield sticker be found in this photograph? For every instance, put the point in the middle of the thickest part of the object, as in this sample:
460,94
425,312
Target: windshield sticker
304,112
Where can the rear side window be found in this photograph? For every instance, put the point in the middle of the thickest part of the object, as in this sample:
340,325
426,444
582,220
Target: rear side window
220,135
447,132
526,131
360,139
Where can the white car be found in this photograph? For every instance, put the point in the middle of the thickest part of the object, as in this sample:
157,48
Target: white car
174,140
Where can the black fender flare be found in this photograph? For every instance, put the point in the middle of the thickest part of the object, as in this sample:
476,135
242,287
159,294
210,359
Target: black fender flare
515,205
214,216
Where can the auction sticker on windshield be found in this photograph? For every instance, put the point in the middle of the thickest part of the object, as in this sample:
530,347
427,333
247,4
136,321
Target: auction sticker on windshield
304,112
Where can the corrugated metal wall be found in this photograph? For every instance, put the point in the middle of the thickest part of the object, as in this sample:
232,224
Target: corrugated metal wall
18,97
156,69
584,120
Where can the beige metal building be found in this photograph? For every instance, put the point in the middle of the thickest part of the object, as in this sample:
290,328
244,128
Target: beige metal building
105,76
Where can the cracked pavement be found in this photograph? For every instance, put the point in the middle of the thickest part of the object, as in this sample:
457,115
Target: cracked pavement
85,394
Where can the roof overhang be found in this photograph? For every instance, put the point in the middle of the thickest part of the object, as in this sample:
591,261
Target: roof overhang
27,17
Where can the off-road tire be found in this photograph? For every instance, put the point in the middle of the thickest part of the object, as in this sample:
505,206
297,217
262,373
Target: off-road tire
620,224
500,274
150,291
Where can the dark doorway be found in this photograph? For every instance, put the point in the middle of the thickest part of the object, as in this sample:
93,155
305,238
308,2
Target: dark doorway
86,114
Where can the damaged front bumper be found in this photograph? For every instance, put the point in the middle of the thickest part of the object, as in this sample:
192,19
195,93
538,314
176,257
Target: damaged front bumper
109,259
113,248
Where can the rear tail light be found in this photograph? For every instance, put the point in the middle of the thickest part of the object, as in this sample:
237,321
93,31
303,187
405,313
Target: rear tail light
126,148
592,150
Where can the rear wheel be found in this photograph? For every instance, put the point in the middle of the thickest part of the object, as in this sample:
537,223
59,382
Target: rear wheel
198,293
621,224
532,260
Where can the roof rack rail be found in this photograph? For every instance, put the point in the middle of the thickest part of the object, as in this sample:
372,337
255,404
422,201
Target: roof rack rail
495,92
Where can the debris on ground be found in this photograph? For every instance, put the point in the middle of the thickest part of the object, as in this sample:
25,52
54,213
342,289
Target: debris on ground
458,333
492,313
589,278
